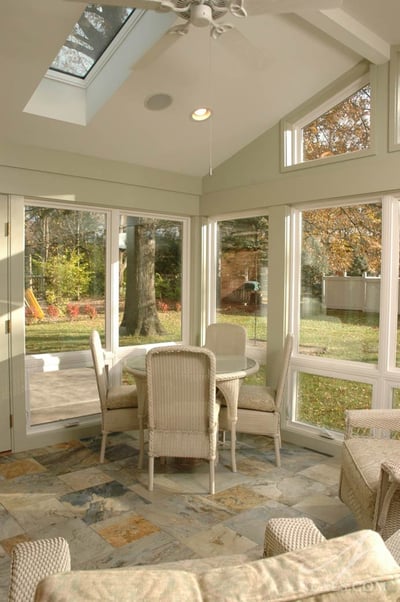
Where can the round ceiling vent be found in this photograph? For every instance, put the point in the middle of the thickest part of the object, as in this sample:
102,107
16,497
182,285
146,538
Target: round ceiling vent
158,102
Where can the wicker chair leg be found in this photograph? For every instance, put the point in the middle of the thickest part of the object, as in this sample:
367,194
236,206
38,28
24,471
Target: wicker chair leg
212,476
103,447
151,473
277,445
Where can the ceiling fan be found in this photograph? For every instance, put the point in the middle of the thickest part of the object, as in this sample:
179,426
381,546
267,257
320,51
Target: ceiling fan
207,13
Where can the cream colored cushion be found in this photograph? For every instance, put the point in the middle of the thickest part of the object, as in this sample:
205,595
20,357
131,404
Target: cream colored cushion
351,568
361,464
256,397
122,396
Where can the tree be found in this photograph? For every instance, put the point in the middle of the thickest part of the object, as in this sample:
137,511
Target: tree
51,232
338,240
342,129
67,278
140,311
91,35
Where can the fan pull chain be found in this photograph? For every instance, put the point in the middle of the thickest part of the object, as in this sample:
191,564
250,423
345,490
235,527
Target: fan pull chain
211,95
210,169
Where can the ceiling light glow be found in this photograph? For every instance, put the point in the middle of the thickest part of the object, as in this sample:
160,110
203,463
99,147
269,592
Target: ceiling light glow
201,114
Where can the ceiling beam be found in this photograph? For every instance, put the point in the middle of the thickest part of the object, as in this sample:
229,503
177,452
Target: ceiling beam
345,29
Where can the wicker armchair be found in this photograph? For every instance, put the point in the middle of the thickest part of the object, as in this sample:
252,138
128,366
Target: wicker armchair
370,470
182,410
259,406
119,403
32,561
226,339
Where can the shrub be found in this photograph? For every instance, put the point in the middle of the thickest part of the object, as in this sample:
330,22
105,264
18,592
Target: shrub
53,311
72,310
162,306
90,311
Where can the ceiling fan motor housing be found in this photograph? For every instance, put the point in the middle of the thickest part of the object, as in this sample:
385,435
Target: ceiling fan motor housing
201,15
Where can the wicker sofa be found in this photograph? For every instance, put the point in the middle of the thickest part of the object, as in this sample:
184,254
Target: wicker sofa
358,566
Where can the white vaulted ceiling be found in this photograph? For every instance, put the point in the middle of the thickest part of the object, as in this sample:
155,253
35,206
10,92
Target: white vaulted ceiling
250,80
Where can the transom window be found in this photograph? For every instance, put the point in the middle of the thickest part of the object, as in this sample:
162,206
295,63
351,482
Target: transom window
344,128
336,122
89,38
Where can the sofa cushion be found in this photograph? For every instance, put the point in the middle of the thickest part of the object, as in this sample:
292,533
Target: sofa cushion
361,464
344,569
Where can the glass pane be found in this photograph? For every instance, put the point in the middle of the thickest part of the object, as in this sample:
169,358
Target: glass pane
64,278
340,282
322,400
396,399
242,278
91,35
150,280
64,301
345,128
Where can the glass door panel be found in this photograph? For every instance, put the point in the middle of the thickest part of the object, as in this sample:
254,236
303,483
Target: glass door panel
64,301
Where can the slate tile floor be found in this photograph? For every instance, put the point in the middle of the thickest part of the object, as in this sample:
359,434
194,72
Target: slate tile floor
110,519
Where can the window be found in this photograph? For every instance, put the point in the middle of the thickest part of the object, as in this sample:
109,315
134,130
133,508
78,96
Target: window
91,35
240,281
340,282
346,313
336,122
343,129
150,267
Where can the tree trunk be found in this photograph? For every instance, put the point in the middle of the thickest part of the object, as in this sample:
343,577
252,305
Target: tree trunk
140,312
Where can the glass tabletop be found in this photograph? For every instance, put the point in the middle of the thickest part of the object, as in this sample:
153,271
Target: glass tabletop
224,363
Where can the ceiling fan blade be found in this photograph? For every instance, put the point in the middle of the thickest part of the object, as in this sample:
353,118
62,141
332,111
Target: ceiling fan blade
262,7
140,4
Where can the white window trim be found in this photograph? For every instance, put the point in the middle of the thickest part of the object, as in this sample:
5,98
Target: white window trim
292,124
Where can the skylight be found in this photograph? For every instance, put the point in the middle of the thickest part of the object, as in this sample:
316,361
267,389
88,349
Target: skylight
89,38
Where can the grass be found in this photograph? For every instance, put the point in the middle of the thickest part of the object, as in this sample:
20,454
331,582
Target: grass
322,400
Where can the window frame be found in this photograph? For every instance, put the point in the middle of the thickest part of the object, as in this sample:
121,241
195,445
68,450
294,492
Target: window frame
385,375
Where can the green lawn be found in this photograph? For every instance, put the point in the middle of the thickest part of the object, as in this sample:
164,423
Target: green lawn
322,400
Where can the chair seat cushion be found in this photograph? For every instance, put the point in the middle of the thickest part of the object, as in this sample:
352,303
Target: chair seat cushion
122,396
257,397
361,464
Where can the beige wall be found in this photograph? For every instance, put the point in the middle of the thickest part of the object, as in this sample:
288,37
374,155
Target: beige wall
36,172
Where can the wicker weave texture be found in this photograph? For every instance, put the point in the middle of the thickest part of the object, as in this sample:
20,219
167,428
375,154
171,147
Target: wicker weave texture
119,403
182,409
370,473
31,561
289,534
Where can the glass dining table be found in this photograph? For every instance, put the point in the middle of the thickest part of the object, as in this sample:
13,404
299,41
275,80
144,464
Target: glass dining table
230,372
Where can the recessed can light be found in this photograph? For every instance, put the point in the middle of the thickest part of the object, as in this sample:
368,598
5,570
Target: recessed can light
201,114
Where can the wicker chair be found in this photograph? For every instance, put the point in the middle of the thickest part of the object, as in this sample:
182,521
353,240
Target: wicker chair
182,410
119,403
226,339
370,469
259,406
32,561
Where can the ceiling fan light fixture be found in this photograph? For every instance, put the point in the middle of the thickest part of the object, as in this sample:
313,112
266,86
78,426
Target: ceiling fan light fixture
201,114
